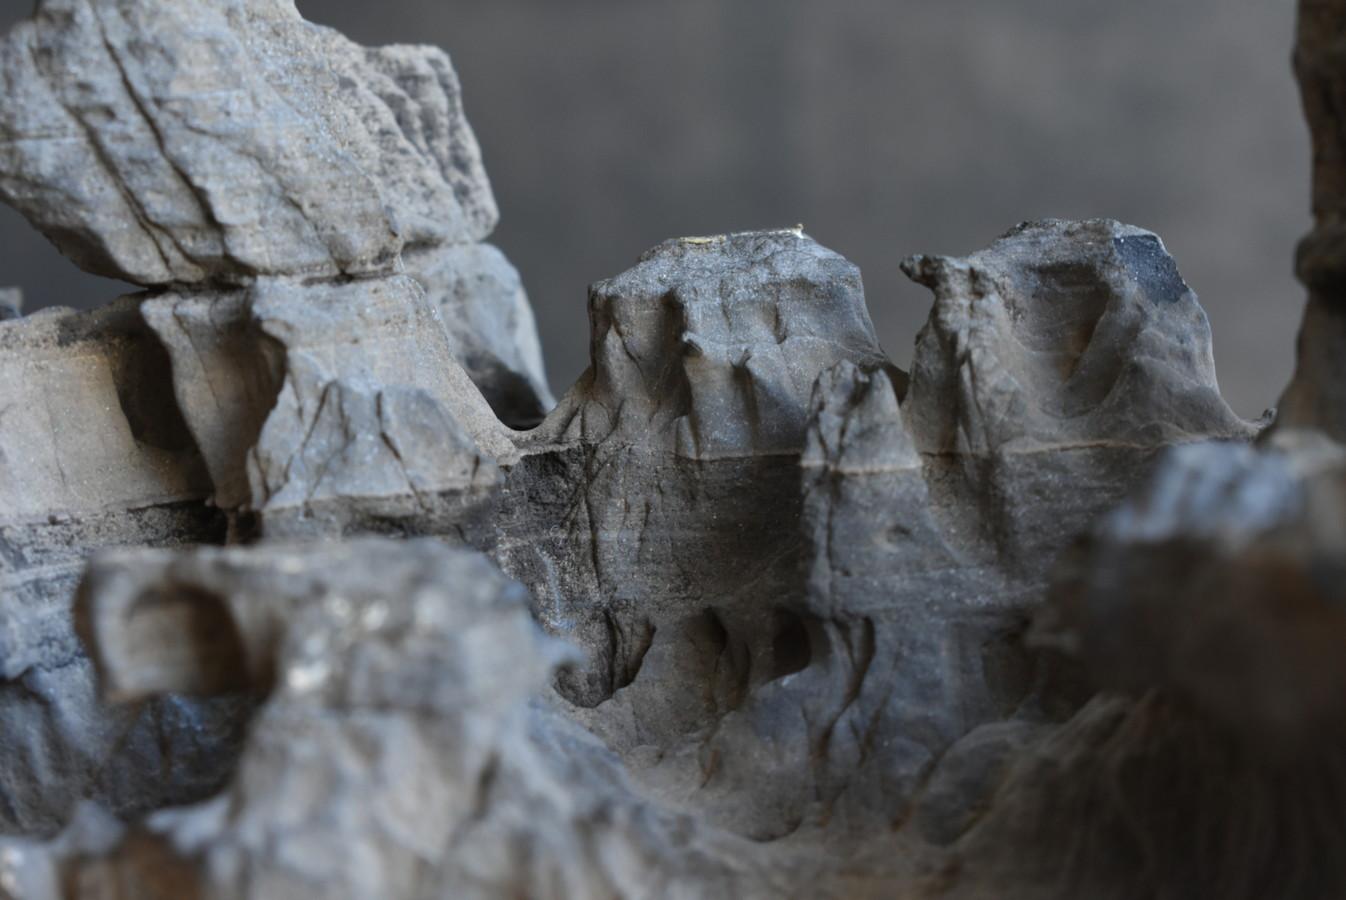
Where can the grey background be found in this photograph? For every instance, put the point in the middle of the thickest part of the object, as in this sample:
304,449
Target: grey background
887,127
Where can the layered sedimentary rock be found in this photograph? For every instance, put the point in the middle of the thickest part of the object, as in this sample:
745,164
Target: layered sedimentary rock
93,453
750,613
212,144
261,177
171,143
662,492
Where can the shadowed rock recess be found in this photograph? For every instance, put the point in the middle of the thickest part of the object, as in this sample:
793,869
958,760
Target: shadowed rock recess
309,589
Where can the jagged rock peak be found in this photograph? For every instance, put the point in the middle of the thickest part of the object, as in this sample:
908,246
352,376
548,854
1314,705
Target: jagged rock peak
1063,333
709,347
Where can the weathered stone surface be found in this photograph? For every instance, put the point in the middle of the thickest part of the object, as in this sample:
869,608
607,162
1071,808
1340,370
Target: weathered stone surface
1209,609
325,404
207,145
709,347
799,616
1008,625
166,142
794,609
662,494
397,753
1059,334
89,422
491,329
93,453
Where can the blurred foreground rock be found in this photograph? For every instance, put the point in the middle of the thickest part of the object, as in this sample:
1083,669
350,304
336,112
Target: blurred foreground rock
310,590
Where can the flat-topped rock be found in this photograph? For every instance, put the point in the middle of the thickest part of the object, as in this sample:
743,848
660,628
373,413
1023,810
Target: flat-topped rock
709,347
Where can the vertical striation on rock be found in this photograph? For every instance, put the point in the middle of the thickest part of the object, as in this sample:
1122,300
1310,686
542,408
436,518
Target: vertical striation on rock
1316,396
261,176
169,143
750,612
93,453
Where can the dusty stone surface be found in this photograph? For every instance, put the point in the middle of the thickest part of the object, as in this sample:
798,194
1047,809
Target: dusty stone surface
312,394
232,157
412,667
750,612
93,453
490,325
177,143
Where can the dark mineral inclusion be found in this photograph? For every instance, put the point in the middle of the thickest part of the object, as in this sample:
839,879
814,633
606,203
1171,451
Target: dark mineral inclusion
310,589
1148,263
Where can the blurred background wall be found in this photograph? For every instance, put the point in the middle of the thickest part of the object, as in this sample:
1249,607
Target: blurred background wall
886,127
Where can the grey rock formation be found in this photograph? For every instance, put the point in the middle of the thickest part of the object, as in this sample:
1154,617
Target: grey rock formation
409,667
243,156
490,326
170,143
215,143
309,394
750,613
93,453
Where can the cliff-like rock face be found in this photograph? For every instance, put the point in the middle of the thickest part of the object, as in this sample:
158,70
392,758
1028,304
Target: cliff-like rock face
308,588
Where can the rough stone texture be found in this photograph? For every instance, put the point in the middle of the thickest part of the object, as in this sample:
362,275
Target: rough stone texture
207,145
310,394
750,613
490,326
410,668
93,453
1316,397
185,142
1060,334
220,141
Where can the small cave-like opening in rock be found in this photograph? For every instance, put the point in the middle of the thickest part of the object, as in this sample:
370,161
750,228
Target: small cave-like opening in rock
185,640
791,649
